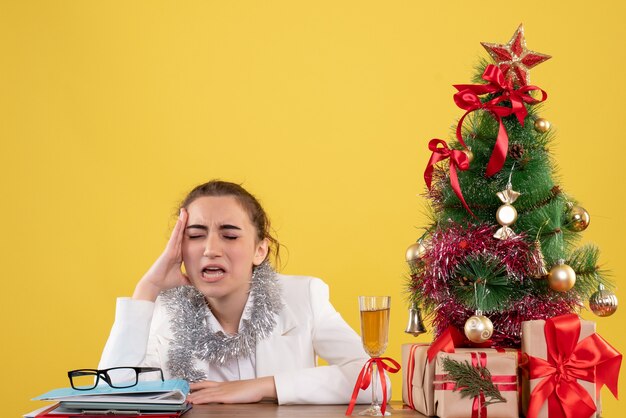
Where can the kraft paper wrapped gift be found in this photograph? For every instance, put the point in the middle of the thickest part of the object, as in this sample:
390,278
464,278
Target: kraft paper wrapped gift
417,378
534,344
418,375
503,368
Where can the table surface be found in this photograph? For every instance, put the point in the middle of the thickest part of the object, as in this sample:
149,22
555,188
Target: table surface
262,410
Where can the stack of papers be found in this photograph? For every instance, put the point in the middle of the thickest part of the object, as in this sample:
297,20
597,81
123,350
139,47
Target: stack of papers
150,399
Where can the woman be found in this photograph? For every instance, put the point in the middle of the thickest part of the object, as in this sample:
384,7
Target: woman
212,311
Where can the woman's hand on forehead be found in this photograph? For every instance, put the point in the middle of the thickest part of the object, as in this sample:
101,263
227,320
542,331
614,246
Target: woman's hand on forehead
166,271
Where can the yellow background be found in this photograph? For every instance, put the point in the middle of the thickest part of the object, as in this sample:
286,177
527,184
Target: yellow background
111,111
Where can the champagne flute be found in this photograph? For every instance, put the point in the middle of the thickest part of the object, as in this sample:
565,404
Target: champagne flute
375,334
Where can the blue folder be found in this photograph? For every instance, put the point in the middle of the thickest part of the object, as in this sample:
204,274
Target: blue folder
151,392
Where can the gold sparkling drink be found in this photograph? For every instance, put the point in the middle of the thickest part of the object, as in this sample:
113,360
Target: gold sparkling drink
375,331
374,334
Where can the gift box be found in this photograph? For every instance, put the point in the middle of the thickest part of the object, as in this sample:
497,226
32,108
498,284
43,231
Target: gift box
418,374
566,364
417,378
450,402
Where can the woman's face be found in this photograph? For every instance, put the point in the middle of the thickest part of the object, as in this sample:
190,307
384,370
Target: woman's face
220,246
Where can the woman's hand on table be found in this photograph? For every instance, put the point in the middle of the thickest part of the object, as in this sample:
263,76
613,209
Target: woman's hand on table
238,391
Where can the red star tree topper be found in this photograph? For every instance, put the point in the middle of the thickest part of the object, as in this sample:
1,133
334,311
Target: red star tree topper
514,59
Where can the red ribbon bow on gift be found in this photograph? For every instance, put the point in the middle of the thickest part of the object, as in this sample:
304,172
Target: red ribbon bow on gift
467,99
365,378
458,159
568,360
452,338
446,342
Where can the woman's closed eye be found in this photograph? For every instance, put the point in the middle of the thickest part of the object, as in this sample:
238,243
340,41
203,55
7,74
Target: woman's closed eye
196,236
201,236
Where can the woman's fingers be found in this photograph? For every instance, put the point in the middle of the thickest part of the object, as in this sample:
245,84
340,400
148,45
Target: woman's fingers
181,232
166,271
205,392
176,238
202,385
218,394
238,391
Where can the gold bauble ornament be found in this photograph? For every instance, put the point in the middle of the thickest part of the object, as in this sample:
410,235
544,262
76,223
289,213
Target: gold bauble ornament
478,328
603,302
561,277
542,125
577,218
415,252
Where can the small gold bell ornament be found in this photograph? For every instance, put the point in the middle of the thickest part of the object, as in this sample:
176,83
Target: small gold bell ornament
415,326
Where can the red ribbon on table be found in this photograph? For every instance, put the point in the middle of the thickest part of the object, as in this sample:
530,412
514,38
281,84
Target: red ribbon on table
458,159
365,378
467,98
569,360
502,383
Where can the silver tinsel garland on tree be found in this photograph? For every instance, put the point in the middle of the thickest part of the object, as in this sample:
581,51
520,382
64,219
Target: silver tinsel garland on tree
194,340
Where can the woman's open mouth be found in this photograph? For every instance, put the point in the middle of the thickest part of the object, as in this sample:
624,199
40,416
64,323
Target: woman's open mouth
212,274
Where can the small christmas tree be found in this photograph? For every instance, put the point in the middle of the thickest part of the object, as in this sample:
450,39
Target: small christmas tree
501,246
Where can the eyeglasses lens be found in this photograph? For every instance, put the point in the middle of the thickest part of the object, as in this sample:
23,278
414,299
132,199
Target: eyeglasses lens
122,377
84,379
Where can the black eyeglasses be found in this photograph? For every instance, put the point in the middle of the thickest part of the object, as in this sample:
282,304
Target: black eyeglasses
116,377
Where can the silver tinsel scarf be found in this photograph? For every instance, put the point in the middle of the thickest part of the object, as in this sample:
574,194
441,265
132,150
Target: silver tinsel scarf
195,340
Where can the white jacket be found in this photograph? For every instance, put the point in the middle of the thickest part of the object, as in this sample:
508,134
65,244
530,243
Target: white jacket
308,326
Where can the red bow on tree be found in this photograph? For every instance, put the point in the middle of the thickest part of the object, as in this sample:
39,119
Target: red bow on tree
467,99
458,159
568,360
